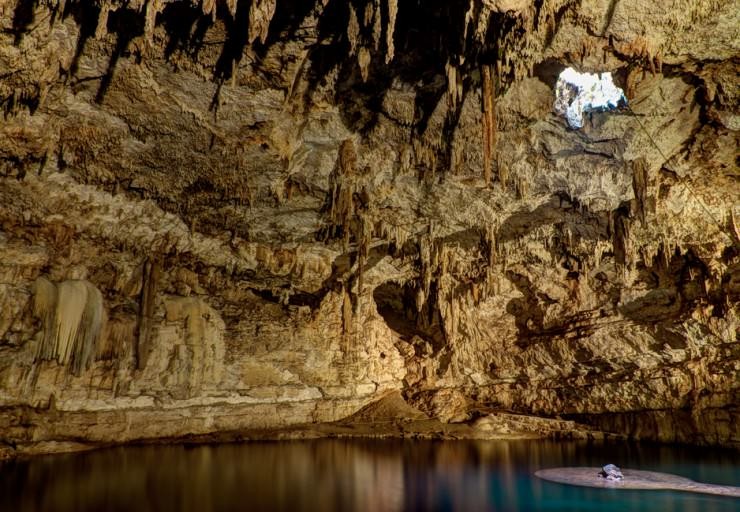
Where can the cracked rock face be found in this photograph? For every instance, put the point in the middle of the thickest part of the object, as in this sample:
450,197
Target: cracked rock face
259,214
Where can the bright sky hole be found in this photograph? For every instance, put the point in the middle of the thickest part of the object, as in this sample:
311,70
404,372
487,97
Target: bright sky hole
578,93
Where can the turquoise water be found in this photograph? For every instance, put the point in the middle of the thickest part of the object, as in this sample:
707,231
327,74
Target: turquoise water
344,475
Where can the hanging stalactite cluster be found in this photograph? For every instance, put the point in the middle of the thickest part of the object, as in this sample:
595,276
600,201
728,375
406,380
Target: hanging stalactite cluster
72,316
489,49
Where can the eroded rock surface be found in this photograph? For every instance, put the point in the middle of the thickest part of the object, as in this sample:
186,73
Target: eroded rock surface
255,215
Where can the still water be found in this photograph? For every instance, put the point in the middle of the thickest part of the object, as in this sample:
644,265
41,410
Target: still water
346,475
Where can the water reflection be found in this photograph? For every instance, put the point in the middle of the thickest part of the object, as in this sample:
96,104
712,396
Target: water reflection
327,475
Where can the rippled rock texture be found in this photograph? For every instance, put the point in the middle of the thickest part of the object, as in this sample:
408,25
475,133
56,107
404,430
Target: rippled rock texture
257,214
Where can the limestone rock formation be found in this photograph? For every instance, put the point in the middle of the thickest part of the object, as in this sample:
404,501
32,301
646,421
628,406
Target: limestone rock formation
611,472
223,216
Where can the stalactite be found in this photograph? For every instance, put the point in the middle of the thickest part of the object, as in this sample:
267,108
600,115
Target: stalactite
420,152
425,263
490,243
209,8
454,89
363,60
363,242
152,9
353,30
369,14
398,235
639,186
91,323
260,16
348,317
147,304
503,173
70,309
73,317
475,292
621,243
468,19
390,30
44,307
102,27
231,5
734,227
489,122
377,25
342,208
136,5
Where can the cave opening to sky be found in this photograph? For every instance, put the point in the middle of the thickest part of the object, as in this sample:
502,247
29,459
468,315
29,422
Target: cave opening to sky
579,93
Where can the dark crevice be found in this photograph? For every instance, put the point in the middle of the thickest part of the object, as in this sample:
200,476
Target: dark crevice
237,38
126,24
185,26
86,16
397,305
23,17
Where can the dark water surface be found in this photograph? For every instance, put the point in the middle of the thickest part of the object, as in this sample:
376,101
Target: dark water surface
346,475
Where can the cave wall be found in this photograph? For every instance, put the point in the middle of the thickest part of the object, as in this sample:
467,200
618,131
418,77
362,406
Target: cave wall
260,214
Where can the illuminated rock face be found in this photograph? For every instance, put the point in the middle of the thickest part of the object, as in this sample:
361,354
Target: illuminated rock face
211,225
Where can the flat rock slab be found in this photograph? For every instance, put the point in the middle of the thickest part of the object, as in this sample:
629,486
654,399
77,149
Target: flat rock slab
634,479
